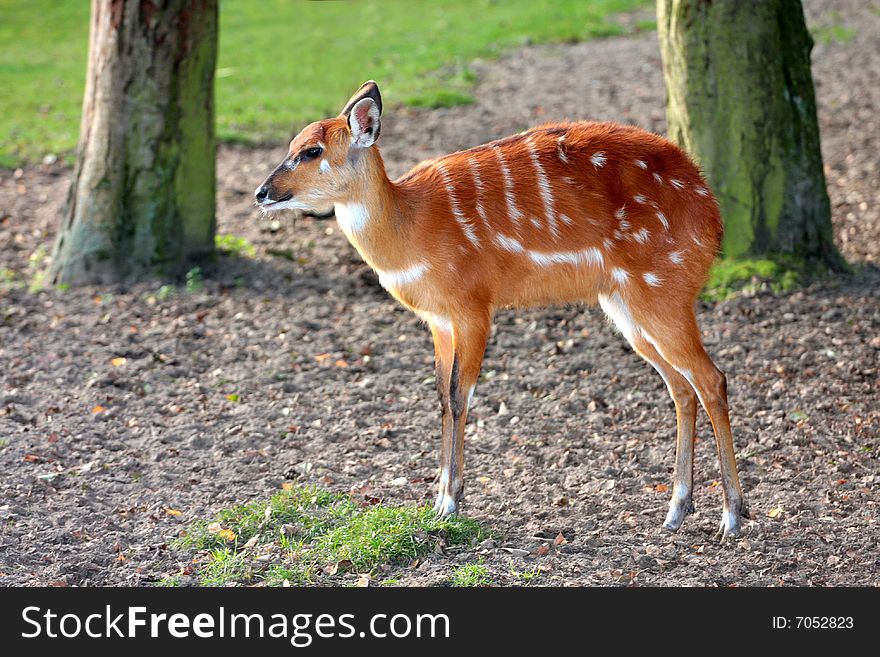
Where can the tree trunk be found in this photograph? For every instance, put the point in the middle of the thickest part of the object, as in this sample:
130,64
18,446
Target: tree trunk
740,99
142,195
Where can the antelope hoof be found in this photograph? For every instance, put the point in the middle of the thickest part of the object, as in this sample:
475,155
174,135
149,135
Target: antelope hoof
678,509
446,505
730,527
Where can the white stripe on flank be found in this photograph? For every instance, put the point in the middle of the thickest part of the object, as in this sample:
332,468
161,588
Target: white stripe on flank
676,183
663,219
559,151
658,179
468,229
513,212
394,279
638,198
544,187
641,164
642,235
620,275
651,279
598,159
676,257
351,217
478,185
509,243
590,256
702,191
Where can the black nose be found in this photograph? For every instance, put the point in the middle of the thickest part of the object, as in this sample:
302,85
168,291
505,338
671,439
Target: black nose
262,193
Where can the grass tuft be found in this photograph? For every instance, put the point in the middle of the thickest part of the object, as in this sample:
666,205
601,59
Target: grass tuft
305,533
471,575
730,276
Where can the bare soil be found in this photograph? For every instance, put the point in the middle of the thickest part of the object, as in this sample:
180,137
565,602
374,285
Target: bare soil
571,433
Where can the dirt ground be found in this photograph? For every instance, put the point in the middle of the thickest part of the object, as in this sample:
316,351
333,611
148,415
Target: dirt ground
571,433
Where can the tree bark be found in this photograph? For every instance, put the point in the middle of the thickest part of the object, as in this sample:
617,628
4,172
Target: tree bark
740,99
142,195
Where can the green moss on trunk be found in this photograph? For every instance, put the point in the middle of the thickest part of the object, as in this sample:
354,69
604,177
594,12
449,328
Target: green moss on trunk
142,197
741,101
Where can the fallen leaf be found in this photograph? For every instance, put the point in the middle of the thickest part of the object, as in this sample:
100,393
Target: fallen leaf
173,512
661,488
33,458
363,581
322,357
232,397
775,512
214,527
118,362
98,409
227,534
287,485
341,363
542,550
560,539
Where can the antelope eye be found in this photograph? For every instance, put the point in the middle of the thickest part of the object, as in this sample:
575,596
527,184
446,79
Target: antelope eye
311,153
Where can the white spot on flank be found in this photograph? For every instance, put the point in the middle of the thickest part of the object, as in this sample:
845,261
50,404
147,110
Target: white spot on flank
697,241
608,244
509,244
641,164
544,188
568,180
651,279
394,279
564,218
620,275
676,257
324,167
702,191
463,221
590,256
617,234
658,179
642,235
512,211
624,224
618,312
638,198
598,159
620,214
663,219
676,183
535,222
351,217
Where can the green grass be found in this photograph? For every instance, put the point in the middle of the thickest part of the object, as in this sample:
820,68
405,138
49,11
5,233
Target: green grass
471,575
835,32
729,276
281,63
300,532
235,246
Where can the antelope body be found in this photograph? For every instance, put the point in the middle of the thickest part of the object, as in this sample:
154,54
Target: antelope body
575,212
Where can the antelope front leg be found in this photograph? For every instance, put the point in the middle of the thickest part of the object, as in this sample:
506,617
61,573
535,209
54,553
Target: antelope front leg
458,351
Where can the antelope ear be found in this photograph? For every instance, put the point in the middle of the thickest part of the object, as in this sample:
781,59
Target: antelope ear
369,89
363,117
364,123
